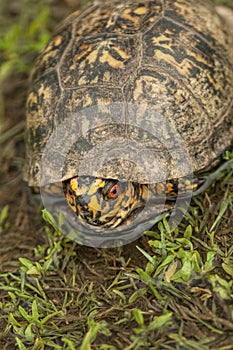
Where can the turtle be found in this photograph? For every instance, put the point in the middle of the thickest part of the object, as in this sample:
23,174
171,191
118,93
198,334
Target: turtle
129,104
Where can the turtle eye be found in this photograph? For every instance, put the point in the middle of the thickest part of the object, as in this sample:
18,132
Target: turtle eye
114,192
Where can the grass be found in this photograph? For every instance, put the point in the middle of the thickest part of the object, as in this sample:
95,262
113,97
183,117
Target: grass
187,276
20,40
172,289
223,2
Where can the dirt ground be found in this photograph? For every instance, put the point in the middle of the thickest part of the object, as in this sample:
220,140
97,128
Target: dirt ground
23,230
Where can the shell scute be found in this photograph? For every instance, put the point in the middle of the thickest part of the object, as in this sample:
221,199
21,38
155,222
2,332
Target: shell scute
102,60
52,54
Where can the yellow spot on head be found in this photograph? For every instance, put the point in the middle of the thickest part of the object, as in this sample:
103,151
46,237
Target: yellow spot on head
99,183
94,206
74,184
170,188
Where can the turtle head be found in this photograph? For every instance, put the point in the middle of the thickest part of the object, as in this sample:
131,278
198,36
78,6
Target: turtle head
104,202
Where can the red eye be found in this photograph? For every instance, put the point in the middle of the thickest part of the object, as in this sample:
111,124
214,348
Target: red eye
114,192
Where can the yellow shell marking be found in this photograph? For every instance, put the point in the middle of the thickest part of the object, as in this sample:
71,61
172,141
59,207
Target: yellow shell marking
93,56
182,69
141,10
126,16
45,91
107,58
57,41
162,38
32,98
165,41
84,50
122,53
51,50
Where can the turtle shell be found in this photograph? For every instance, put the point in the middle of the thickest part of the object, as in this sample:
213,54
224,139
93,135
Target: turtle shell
135,90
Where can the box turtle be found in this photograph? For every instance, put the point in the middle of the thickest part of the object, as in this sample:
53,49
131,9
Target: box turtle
129,103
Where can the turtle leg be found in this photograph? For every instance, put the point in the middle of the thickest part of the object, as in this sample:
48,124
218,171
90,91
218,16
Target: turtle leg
227,14
173,188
